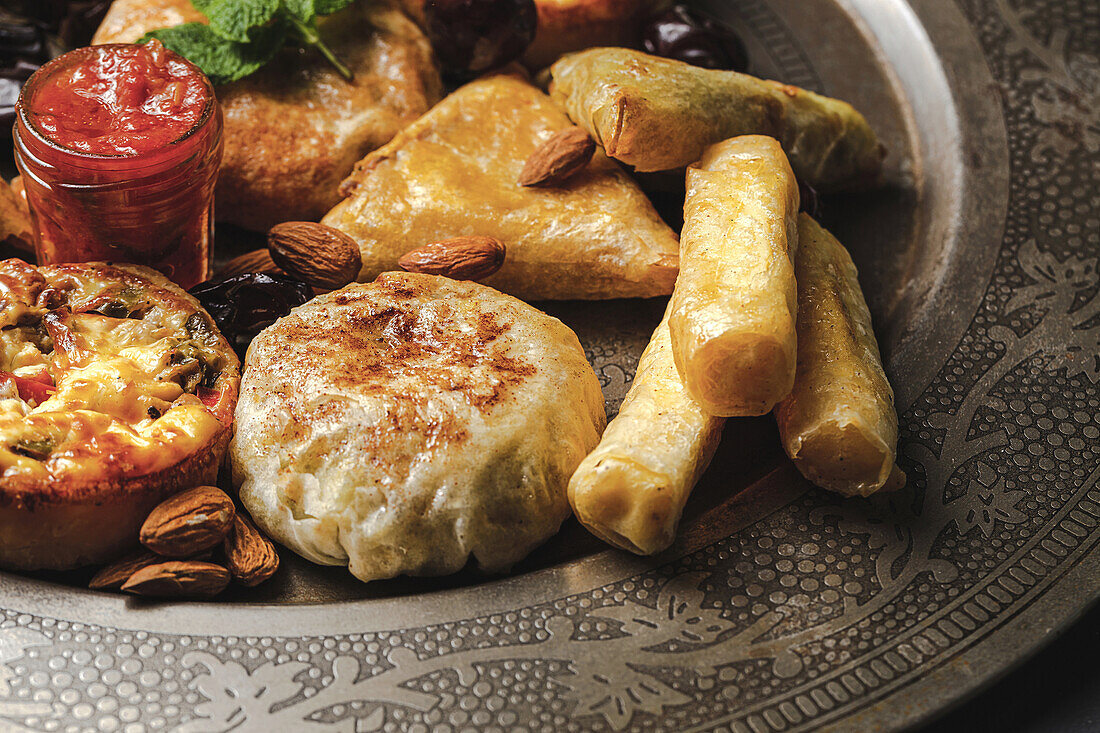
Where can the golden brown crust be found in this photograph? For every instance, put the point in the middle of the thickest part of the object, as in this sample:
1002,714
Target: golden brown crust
456,171
410,424
631,489
84,501
571,25
838,425
660,114
94,523
733,312
128,20
295,128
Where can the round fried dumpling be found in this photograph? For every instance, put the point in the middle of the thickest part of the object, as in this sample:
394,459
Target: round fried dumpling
403,425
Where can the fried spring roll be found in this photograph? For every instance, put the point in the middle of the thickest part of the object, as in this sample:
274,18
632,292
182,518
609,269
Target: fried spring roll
734,306
838,425
658,114
631,489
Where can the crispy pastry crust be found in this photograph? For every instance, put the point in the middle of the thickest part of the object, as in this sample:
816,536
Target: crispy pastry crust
838,425
631,490
571,25
51,527
60,522
408,425
294,129
455,171
659,114
733,312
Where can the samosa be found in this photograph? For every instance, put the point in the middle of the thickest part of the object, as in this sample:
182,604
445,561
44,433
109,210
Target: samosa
456,171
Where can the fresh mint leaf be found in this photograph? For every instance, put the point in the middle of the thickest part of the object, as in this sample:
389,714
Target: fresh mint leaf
233,19
328,7
302,10
222,60
306,10
243,35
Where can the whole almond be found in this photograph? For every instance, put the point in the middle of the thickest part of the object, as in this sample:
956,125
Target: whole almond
178,579
114,575
460,258
314,253
189,522
558,158
258,260
251,557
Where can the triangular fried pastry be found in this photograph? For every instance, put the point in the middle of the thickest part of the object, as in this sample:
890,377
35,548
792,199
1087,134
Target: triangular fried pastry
455,172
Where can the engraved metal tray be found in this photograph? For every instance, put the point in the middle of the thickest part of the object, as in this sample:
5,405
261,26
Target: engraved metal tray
781,607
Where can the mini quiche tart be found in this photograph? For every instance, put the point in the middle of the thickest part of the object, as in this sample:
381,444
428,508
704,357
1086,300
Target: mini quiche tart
116,390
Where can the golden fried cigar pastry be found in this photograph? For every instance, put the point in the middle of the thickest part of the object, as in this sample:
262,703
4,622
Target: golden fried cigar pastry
733,312
657,114
838,425
631,490
294,129
456,172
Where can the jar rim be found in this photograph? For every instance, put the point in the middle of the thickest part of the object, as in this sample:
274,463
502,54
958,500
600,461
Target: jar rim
65,60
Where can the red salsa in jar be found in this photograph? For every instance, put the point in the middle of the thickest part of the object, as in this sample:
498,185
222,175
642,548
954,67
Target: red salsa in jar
119,147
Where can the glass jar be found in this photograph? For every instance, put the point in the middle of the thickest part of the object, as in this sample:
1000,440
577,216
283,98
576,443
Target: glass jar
147,200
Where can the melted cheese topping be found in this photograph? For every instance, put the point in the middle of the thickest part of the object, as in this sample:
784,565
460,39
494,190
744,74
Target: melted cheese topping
123,399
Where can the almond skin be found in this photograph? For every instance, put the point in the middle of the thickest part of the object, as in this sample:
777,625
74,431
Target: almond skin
251,557
114,575
189,522
316,254
459,258
560,157
258,260
178,579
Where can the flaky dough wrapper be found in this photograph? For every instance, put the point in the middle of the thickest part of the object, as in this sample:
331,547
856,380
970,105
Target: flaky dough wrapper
455,172
733,311
631,490
838,425
659,114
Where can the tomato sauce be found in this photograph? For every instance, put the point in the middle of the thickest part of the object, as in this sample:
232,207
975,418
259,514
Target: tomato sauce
130,100
119,147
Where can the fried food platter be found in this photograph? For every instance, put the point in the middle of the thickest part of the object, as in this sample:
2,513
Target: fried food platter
779,606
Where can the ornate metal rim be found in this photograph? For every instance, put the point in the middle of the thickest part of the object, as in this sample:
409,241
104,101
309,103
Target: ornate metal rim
617,642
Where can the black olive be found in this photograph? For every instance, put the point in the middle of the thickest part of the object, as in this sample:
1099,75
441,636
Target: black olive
245,304
473,36
684,34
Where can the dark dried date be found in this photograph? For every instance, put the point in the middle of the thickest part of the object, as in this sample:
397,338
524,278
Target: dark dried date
245,304
473,36
684,34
